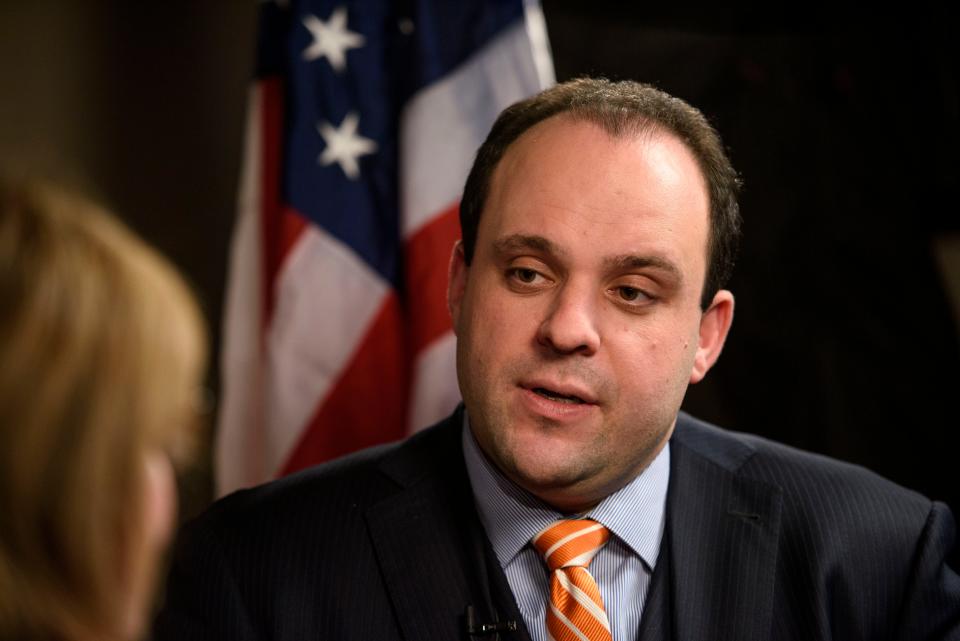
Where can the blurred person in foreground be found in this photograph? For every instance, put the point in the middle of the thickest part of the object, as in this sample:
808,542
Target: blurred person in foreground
569,498
102,348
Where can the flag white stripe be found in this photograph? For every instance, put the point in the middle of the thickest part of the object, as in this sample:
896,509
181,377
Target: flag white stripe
240,431
443,125
435,393
583,599
326,298
539,43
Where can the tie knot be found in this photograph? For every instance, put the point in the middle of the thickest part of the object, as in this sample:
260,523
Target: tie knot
571,542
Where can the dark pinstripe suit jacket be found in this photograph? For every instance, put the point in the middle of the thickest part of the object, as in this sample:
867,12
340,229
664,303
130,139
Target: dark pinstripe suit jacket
762,542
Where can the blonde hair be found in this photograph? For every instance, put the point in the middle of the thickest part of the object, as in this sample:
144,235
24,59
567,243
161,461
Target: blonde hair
102,348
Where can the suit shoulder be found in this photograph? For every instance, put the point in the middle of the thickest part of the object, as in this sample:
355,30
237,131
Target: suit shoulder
836,511
315,493
807,480
341,489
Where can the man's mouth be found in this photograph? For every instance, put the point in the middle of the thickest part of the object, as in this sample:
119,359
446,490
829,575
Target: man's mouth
556,396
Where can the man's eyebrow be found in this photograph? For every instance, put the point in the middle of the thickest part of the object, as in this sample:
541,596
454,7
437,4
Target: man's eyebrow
520,242
517,242
634,261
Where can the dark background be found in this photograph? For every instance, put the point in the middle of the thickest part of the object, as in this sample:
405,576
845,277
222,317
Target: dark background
846,135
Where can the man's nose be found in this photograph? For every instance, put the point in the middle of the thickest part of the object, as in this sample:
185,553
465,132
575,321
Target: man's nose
571,325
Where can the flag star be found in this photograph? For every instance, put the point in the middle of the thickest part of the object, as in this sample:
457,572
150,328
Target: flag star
331,38
345,145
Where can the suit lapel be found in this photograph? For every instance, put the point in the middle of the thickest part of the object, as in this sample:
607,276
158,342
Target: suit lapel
429,541
655,623
723,531
504,603
426,573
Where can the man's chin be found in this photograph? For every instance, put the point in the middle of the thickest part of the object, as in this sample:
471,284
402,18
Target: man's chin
551,481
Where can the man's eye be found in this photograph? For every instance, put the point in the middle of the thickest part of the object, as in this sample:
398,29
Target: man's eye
525,275
632,294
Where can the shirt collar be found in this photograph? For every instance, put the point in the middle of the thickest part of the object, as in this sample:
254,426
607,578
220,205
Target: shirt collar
512,516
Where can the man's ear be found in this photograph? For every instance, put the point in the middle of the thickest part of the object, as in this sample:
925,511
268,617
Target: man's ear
456,283
714,327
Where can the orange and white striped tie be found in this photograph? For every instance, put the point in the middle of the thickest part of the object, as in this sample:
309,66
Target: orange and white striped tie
575,611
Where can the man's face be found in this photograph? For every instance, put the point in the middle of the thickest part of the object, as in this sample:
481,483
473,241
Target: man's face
578,321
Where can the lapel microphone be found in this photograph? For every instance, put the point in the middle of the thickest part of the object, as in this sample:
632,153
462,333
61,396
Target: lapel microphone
475,629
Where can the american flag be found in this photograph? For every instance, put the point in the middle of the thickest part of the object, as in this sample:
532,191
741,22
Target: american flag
363,121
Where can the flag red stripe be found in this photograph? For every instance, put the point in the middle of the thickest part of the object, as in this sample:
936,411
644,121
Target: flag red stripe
271,132
280,225
368,403
428,253
291,224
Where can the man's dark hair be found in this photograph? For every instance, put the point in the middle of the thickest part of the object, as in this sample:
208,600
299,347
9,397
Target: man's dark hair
620,108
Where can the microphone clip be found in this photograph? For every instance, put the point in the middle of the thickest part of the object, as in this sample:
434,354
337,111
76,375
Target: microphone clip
475,629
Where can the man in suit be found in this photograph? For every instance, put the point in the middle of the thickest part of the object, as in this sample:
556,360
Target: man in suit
568,497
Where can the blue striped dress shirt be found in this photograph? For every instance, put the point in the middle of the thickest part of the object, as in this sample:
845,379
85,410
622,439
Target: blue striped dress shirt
634,515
